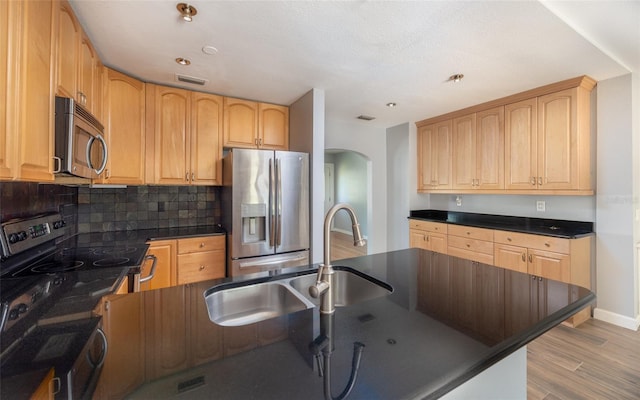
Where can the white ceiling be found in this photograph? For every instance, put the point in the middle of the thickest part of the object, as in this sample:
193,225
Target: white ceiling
364,54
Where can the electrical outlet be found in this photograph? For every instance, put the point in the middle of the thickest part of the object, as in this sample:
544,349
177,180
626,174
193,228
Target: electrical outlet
459,201
540,205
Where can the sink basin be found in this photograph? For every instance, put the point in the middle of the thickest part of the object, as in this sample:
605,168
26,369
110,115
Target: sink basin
243,305
350,287
253,303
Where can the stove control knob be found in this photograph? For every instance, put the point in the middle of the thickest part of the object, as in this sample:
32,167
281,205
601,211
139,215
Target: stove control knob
22,235
58,224
13,238
22,308
13,314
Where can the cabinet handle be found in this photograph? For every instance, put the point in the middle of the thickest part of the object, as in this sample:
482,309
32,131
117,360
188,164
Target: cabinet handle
256,141
427,238
533,180
108,173
508,239
260,141
524,257
193,177
153,268
533,278
468,233
202,245
547,244
201,267
186,177
56,384
540,278
468,245
530,258
539,181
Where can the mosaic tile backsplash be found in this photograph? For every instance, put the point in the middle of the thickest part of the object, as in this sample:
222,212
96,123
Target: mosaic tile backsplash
147,207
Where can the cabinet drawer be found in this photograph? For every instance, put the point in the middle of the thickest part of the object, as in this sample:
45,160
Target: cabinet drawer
201,266
471,232
204,243
428,226
468,254
474,245
540,242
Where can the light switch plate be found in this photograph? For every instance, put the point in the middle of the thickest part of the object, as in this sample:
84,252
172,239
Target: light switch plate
540,205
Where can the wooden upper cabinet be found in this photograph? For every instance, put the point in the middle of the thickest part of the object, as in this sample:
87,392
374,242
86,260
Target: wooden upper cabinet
185,133
538,141
464,152
273,127
521,150
435,156
240,123
30,69
6,100
248,124
124,122
207,116
68,50
87,77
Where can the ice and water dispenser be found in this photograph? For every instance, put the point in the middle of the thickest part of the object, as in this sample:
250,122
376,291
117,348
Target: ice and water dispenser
254,222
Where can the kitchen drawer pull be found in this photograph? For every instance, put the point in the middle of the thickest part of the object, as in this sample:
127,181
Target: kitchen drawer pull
201,267
547,244
533,180
530,258
202,245
524,257
468,233
509,239
468,245
539,181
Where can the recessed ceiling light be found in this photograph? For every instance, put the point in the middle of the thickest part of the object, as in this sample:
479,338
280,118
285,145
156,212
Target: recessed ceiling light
209,50
182,61
186,11
391,105
455,78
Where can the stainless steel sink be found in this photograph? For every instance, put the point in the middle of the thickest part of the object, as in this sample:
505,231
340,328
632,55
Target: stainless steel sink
253,303
243,305
350,287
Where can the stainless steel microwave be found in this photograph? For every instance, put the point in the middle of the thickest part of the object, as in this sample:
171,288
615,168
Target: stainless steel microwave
80,147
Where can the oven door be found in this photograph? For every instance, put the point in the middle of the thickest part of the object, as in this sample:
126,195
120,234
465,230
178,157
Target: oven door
82,379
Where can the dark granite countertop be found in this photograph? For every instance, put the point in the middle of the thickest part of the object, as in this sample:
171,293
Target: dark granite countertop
144,235
536,226
444,323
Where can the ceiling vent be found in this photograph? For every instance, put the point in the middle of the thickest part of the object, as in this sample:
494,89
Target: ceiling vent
366,117
191,79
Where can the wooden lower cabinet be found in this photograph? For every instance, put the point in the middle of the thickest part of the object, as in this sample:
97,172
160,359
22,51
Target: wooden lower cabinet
201,259
428,235
165,273
45,389
124,366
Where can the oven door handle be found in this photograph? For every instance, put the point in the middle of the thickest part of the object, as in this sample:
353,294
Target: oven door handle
105,348
153,268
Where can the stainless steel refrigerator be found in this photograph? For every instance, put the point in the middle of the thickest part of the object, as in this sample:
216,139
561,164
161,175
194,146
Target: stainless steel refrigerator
265,209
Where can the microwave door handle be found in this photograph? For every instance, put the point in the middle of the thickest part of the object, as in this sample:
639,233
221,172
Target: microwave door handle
105,154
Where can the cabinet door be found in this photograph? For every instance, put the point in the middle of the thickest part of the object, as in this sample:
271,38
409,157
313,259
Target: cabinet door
521,151
45,389
240,123
464,150
206,133
273,127
547,264
125,129
7,101
68,52
165,273
418,239
510,257
557,140
171,134
167,339
123,324
206,337
435,156
437,242
521,305
489,155
87,70
35,96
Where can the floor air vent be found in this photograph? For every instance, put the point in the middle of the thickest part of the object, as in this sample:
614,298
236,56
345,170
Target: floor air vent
191,79
190,384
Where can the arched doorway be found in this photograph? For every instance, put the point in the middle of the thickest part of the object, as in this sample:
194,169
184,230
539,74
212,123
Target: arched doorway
347,180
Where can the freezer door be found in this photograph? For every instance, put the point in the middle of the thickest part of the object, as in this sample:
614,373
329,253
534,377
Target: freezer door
252,203
292,205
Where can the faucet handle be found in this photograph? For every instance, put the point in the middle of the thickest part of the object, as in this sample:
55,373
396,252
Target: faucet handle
316,290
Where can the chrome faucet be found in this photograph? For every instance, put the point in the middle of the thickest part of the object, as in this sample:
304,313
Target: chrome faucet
323,289
323,286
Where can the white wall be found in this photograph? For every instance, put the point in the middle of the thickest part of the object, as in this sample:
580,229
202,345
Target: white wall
370,142
307,131
398,187
616,276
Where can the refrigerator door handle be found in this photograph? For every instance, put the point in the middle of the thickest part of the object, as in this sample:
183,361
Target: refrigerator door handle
279,203
272,203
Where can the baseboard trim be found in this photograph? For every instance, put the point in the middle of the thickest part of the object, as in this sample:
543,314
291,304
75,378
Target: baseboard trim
617,319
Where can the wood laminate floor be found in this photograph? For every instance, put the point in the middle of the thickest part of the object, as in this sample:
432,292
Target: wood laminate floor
596,360
342,247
